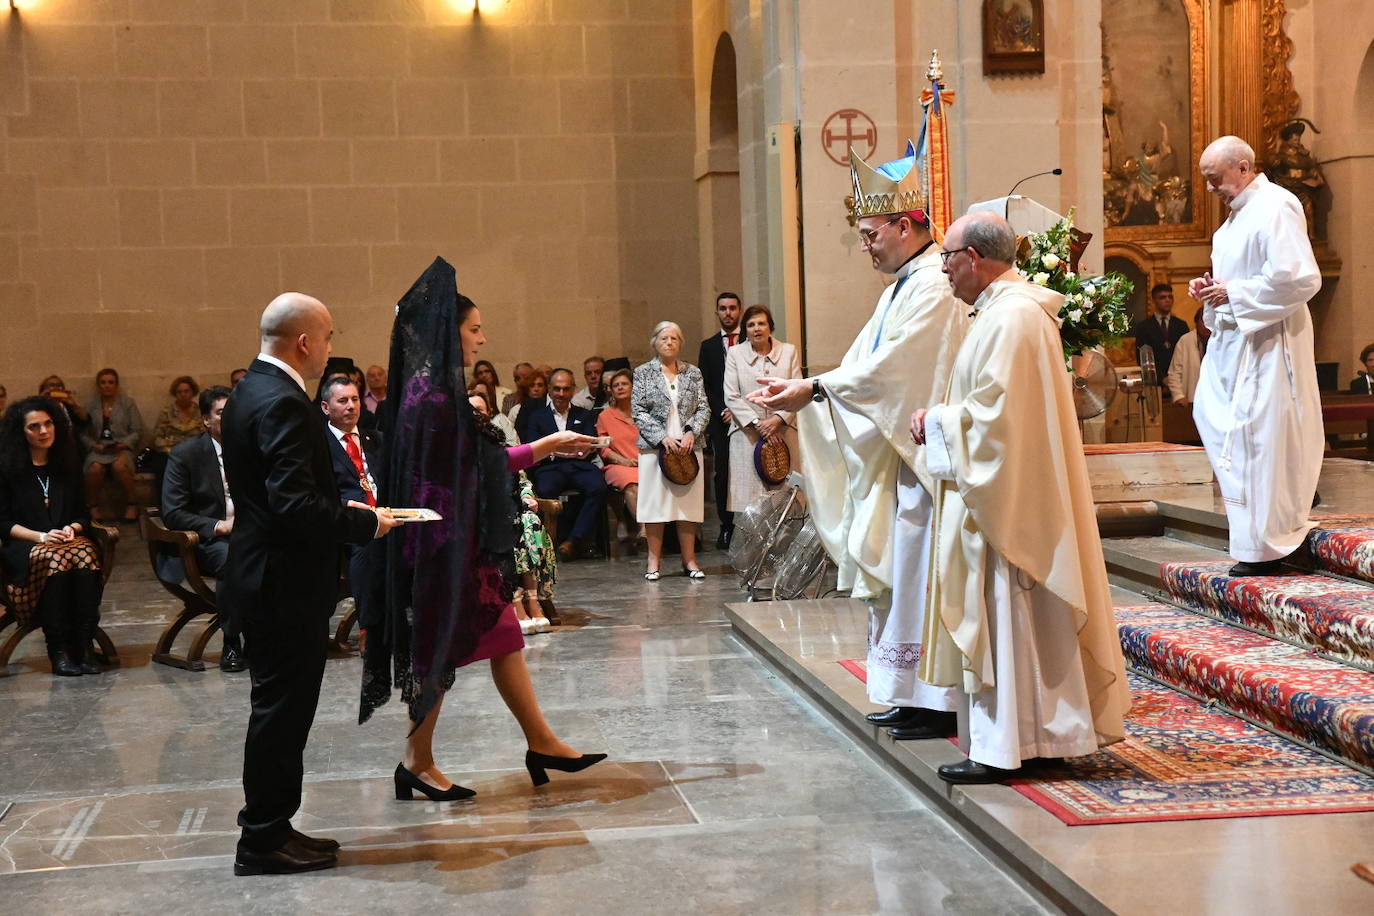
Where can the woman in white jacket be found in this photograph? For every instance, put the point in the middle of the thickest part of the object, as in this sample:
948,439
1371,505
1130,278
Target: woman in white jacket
759,354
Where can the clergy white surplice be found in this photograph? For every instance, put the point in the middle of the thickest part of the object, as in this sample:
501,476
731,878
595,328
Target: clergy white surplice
864,486
1257,406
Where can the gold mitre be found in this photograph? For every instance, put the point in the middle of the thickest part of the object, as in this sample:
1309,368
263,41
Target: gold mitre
893,187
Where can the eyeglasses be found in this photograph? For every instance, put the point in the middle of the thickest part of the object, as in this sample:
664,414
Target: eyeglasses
869,236
946,255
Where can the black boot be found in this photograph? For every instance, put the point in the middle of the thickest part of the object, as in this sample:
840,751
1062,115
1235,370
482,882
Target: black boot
86,592
58,653
56,621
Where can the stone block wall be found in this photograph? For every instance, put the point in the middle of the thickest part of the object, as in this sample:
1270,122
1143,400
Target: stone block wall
167,166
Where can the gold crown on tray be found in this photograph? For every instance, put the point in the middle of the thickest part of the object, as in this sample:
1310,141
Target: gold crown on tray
877,193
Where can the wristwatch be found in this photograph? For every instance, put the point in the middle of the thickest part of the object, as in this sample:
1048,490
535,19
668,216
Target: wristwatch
817,392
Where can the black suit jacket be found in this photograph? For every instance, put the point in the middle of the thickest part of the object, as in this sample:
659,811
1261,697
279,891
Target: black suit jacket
288,520
711,362
541,423
345,474
1148,332
1360,385
192,493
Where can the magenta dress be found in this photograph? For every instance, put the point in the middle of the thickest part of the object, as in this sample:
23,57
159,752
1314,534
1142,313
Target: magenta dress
505,637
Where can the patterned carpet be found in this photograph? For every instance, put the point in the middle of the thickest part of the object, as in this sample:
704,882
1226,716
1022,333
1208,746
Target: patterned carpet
1183,761
1347,550
1326,703
1322,613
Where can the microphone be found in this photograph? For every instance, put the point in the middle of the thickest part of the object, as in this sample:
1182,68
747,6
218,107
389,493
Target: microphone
1029,177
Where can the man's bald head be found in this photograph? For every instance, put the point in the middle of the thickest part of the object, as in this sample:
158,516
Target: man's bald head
1229,150
1228,166
296,329
979,247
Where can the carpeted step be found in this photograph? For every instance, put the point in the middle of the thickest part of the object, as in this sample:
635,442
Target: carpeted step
1323,702
1322,613
1347,550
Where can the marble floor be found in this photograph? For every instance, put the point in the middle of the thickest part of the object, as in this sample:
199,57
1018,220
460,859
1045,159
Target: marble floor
725,792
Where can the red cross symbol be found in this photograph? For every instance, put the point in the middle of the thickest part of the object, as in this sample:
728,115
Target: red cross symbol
858,131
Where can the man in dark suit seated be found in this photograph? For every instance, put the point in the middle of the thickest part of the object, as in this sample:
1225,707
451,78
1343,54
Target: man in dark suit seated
1160,330
194,498
357,457
280,585
556,475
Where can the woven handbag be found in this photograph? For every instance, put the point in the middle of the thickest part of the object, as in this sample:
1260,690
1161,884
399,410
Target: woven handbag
772,461
679,469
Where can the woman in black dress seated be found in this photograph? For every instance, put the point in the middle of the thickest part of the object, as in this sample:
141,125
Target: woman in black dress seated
52,569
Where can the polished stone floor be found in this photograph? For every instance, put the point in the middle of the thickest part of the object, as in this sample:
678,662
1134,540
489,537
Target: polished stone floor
725,792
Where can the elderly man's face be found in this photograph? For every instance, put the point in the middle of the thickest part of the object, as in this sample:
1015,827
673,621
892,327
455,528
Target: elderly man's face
591,371
959,267
376,378
561,390
1225,178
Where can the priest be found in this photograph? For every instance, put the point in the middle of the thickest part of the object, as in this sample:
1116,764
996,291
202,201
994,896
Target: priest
865,485
1257,406
1020,616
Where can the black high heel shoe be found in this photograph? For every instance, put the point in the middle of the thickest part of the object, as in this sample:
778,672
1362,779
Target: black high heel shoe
407,783
537,763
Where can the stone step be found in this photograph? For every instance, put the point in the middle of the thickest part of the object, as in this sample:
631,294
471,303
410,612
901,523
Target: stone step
1332,616
1322,703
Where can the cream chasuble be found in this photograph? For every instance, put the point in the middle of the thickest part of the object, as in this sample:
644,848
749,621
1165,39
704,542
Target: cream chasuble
1257,407
872,511
1024,622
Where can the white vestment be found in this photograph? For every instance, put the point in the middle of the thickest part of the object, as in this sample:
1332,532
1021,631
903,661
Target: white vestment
1184,369
1257,407
864,485
1020,613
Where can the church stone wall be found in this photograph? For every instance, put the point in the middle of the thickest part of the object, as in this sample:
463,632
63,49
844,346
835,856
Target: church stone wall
167,166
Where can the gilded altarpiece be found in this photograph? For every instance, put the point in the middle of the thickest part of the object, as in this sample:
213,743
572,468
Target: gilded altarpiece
1176,74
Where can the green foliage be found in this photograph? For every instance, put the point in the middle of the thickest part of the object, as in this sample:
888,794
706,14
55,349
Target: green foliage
1094,309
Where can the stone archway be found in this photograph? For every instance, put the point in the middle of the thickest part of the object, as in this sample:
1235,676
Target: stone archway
718,187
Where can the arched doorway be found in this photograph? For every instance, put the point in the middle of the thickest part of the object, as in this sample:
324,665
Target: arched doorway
718,190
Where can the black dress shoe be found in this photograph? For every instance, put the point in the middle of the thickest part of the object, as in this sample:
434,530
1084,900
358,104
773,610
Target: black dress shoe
231,661
1266,568
287,859
929,724
723,540
895,717
315,843
970,773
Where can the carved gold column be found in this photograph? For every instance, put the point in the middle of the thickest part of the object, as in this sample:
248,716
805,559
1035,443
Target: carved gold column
1257,94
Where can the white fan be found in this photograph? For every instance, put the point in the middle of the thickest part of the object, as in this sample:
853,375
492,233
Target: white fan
801,571
1094,383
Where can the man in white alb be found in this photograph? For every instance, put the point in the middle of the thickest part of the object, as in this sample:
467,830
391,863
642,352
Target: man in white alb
865,485
1020,613
1257,406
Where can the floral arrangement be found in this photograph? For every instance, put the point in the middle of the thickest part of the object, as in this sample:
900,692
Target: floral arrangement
1094,310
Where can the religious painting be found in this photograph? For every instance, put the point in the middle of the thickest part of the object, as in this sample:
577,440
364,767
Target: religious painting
1152,118
1013,36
